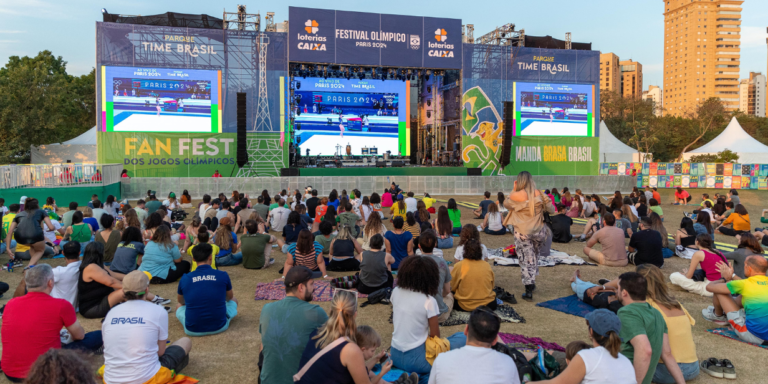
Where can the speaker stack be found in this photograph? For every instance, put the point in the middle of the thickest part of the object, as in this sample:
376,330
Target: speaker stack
506,147
242,145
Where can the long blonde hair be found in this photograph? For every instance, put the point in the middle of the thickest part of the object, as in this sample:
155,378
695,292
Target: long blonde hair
341,320
525,183
344,233
657,286
373,225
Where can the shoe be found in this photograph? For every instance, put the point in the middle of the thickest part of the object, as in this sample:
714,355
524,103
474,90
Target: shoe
686,214
709,314
712,367
271,261
414,378
580,239
18,263
160,301
508,297
528,295
729,372
403,379
167,309
603,281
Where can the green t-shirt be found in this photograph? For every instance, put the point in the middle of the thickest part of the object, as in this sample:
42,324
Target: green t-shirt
325,242
272,206
349,218
285,327
657,209
262,209
455,216
152,206
642,319
252,247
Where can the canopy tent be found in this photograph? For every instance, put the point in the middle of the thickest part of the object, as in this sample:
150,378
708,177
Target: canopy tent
81,149
612,150
734,137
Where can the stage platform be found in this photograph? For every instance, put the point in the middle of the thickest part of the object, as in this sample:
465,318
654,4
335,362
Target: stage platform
371,171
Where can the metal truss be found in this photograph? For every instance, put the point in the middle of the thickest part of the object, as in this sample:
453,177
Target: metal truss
265,157
263,122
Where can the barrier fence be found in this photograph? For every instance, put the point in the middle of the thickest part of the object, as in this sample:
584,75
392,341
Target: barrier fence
58,175
692,175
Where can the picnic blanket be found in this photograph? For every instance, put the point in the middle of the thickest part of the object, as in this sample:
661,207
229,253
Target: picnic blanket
276,291
528,343
554,258
731,334
506,313
569,304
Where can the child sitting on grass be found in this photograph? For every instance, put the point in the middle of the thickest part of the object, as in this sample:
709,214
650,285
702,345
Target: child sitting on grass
573,348
369,341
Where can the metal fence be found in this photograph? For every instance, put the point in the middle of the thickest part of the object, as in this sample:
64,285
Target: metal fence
435,185
56,176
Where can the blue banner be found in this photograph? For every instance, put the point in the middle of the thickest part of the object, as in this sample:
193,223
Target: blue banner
359,38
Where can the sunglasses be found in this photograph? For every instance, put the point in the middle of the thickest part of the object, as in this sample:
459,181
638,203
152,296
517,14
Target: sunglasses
337,290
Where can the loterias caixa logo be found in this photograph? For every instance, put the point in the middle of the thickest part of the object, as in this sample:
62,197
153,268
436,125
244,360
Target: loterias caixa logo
440,48
310,41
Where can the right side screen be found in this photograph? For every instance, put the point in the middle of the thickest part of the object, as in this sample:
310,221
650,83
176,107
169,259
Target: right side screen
545,109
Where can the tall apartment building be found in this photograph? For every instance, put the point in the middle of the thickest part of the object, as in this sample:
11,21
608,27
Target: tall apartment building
701,53
655,94
610,74
752,94
631,78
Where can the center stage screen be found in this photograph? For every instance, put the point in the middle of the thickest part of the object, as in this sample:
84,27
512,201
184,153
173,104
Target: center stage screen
554,109
333,113
160,100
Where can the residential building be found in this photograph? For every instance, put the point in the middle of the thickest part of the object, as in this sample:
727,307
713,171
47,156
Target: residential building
701,53
610,75
655,94
752,95
631,78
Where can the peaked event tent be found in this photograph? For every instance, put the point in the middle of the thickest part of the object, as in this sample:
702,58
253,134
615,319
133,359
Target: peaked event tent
734,137
81,149
612,150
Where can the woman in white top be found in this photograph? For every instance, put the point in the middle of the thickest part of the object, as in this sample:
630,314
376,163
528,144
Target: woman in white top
111,206
366,208
492,223
602,364
373,227
414,315
468,231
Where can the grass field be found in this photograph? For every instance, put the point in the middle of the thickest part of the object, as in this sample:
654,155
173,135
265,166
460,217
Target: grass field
231,357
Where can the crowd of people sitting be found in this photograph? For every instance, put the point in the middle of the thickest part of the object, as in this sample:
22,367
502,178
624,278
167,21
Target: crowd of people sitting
115,252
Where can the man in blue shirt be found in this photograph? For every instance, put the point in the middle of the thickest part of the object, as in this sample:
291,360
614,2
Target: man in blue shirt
206,301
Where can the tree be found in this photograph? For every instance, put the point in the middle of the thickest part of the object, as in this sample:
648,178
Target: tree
40,104
707,115
725,156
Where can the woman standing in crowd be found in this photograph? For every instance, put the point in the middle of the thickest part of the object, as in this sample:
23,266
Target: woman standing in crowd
162,258
27,229
375,268
492,222
707,258
526,213
414,315
454,214
345,252
373,227
109,237
306,252
472,280
679,324
469,232
445,227
685,239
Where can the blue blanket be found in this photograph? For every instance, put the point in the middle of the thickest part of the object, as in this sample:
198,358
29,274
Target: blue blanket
731,334
569,304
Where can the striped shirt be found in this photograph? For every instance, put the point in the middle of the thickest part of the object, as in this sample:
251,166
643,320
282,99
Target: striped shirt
415,230
309,259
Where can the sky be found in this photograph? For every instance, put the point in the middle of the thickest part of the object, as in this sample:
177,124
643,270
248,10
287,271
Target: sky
630,29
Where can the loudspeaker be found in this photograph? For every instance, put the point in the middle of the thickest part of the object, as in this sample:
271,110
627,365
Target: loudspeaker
397,164
242,145
288,172
474,172
381,164
506,146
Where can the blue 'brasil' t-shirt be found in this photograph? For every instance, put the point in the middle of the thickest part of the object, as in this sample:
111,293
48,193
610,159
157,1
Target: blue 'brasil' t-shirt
205,295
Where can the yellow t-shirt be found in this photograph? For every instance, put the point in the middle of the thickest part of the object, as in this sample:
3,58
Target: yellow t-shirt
395,212
7,219
472,282
428,201
680,336
215,252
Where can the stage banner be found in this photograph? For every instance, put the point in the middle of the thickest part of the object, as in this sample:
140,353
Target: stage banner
146,154
360,38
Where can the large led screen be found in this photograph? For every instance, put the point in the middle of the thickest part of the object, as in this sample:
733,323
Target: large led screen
554,109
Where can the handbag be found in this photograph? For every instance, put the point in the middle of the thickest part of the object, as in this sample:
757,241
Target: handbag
316,357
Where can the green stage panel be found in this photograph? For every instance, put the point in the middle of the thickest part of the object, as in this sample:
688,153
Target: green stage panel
62,195
370,171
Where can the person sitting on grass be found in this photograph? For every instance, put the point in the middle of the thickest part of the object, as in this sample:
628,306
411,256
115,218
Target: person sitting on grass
206,302
685,239
488,365
473,280
61,367
729,208
561,225
128,254
445,227
748,246
369,341
739,221
226,239
325,235
646,245
345,253
611,238
411,225
598,296
622,223
656,208
399,242
65,277
373,227
398,209
594,223
376,268
307,253
151,358
468,233
747,316
481,211
492,224
682,197
162,258
454,214
445,300
573,348
707,257
32,325
256,246
603,363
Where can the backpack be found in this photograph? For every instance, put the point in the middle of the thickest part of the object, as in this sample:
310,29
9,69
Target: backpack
524,368
379,297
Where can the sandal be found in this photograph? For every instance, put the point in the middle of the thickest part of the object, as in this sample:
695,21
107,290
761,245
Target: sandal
729,372
713,367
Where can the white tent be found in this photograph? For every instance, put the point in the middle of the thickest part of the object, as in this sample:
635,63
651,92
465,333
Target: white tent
81,149
734,137
612,150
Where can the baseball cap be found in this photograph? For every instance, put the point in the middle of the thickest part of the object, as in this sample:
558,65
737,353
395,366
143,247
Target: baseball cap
399,197
136,281
600,320
23,200
297,275
172,194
